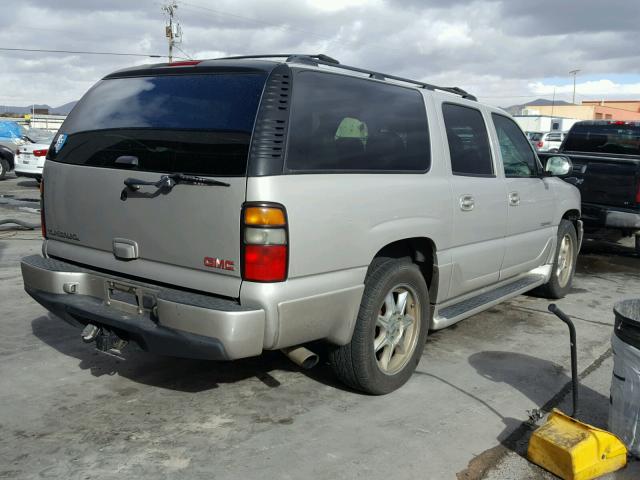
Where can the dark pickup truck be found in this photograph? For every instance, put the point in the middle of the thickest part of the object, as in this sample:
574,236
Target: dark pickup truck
606,168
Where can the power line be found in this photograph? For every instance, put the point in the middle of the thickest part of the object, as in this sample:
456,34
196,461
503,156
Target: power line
189,57
82,52
254,20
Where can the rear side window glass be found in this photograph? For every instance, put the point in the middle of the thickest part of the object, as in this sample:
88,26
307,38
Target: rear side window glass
614,138
518,158
197,124
468,140
350,124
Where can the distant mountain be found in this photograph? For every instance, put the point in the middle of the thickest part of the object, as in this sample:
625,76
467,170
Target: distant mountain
19,110
61,110
64,109
516,109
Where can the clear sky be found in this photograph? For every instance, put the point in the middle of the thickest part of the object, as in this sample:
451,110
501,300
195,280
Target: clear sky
504,51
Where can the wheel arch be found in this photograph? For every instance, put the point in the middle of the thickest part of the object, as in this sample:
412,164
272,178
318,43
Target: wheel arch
573,216
7,154
421,251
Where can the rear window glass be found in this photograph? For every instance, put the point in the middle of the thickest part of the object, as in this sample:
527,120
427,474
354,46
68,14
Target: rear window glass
351,124
535,136
616,139
197,124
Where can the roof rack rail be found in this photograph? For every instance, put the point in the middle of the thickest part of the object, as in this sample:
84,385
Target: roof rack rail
291,57
321,59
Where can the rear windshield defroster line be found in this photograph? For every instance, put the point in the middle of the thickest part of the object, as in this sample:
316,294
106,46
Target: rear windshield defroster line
193,124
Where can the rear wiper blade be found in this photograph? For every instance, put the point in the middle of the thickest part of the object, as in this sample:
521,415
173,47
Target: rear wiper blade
197,180
171,180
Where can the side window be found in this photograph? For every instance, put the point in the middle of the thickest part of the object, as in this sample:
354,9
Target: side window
352,124
517,156
468,140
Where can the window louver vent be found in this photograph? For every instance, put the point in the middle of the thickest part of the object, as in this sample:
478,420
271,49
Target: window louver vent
269,136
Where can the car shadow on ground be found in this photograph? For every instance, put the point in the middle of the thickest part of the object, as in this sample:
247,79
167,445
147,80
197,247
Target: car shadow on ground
624,248
28,183
180,374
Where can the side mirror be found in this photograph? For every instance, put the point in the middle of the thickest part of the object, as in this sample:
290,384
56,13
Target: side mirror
558,166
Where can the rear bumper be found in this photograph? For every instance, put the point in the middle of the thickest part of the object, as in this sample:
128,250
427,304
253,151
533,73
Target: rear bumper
29,170
599,216
161,320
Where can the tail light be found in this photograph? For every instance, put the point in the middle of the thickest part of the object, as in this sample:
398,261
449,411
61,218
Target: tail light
265,246
540,144
43,226
638,193
40,153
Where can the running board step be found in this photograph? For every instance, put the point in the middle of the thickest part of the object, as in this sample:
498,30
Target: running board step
450,314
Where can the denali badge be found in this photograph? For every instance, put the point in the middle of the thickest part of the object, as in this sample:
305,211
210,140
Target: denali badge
219,263
61,234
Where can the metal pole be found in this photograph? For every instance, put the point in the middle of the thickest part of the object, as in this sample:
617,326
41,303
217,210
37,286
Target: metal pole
574,354
574,73
170,9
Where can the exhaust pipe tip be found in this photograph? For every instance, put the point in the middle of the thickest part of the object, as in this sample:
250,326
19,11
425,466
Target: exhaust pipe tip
301,356
90,333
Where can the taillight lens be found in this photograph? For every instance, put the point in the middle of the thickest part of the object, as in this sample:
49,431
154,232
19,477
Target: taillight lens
638,193
43,226
540,144
265,246
264,263
40,153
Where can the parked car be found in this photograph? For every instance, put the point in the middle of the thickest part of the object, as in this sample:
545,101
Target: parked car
549,142
10,140
215,209
29,161
6,161
606,168
30,157
534,137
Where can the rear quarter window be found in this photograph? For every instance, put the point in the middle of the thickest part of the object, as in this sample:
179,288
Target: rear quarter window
341,123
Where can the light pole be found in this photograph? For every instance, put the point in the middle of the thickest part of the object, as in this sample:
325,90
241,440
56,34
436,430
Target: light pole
574,73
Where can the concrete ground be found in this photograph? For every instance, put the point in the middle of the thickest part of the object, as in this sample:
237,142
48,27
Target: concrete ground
69,412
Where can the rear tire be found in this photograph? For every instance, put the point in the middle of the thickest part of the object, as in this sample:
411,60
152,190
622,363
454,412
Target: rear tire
4,168
390,331
564,263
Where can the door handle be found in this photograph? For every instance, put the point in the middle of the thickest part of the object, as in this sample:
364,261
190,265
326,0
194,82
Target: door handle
467,203
514,199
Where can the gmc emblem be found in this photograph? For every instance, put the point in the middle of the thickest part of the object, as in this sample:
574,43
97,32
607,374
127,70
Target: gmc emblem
219,263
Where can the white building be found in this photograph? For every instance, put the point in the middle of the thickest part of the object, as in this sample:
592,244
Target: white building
532,121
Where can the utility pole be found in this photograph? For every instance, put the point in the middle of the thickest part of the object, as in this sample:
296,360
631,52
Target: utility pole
574,73
173,31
